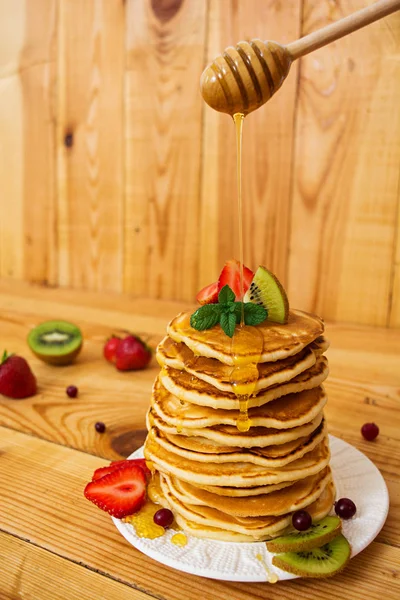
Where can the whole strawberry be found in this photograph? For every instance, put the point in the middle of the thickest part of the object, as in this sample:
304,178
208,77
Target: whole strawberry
132,354
16,378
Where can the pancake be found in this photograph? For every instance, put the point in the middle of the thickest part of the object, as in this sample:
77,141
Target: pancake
236,474
280,340
318,510
219,375
258,527
191,389
228,435
296,497
319,345
254,456
288,411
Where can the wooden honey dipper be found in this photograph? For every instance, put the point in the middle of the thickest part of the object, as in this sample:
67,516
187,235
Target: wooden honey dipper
243,78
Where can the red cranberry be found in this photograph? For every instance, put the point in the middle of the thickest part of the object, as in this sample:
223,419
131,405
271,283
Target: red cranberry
301,520
100,427
163,517
345,508
72,391
369,431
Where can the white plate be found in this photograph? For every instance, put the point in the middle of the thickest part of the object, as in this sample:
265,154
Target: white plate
355,476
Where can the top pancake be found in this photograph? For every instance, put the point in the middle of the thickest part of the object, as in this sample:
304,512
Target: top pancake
280,341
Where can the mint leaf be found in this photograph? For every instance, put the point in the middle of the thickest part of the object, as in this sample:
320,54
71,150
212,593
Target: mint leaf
254,313
226,295
228,323
205,317
238,311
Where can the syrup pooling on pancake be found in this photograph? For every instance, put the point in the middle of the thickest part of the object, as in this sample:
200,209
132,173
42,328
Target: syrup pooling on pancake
244,375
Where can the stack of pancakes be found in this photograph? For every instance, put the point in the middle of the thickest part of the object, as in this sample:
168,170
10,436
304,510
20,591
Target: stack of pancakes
234,485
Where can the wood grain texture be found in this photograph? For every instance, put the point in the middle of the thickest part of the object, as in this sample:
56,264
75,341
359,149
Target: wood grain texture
165,55
394,314
58,476
267,150
90,143
30,572
346,170
28,245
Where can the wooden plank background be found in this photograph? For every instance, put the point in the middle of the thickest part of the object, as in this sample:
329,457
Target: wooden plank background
115,176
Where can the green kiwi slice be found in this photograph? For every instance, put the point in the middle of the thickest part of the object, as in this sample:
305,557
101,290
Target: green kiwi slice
317,535
319,562
56,342
266,289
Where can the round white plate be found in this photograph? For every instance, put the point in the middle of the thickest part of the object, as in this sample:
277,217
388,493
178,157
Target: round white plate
355,476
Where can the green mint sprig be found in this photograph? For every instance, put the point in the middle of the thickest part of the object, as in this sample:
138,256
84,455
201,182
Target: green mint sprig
227,313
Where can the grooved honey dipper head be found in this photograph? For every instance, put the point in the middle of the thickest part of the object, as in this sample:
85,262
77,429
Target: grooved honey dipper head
245,77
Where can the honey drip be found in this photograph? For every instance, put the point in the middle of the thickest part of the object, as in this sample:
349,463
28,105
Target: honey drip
272,577
143,522
246,348
179,539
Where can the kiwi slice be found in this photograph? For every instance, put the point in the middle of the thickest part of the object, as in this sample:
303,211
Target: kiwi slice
266,289
319,562
317,535
56,342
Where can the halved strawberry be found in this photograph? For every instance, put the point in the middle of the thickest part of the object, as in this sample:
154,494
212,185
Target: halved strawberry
230,275
209,294
120,493
118,464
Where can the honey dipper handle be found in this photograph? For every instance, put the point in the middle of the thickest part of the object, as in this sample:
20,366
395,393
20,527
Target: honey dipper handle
340,28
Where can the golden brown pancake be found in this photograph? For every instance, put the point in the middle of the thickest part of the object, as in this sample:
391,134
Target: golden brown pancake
269,457
237,474
280,340
191,389
219,375
286,412
228,435
296,497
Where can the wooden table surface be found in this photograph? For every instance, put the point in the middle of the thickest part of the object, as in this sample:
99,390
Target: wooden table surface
54,544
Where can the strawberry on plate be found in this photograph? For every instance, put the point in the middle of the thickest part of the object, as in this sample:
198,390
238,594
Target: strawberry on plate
120,493
119,464
230,275
16,378
132,354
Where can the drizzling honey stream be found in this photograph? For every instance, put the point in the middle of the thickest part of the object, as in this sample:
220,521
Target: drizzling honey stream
247,342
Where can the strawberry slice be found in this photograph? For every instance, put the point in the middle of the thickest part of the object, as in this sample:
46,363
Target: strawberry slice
118,464
209,294
230,275
120,493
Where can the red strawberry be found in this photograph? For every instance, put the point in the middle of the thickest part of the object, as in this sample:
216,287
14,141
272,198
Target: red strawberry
16,378
230,275
119,464
119,493
132,354
209,294
110,348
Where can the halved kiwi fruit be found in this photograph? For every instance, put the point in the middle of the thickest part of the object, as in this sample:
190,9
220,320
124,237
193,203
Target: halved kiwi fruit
266,290
319,562
317,535
56,342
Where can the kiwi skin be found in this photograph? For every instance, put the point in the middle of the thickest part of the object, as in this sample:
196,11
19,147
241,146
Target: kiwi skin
294,542
59,361
290,567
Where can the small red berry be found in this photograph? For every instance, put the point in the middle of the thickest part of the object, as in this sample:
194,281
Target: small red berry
345,508
72,391
100,427
370,431
163,517
301,520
